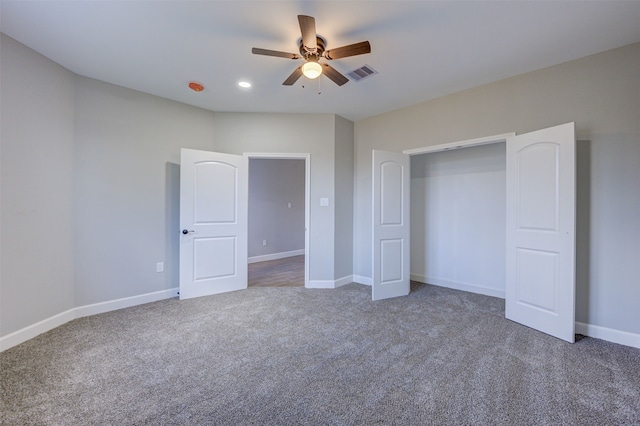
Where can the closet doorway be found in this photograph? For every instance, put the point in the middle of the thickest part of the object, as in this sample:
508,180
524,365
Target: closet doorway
540,226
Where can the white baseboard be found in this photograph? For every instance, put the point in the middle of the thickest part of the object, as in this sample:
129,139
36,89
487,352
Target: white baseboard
343,281
274,256
125,302
471,288
362,280
321,284
330,283
29,332
609,334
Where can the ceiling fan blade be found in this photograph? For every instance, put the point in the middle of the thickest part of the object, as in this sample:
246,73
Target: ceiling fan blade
334,75
308,30
267,52
350,50
295,75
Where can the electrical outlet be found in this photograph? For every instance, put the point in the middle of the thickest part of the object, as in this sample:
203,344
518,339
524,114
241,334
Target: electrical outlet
264,243
160,267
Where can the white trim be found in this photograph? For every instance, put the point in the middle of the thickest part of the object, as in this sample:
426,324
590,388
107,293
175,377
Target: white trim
462,144
471,288
31,331
277,155
125,302
348,279
275,256
362,280
609,334
321,284
307,197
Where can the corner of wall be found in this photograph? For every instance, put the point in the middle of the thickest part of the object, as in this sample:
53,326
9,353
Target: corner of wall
344,196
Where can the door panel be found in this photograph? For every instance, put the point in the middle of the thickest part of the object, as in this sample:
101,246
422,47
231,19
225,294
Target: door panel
537,279
540,286
213,212
390,225
391,257
391,193
538,192
214,257
215,203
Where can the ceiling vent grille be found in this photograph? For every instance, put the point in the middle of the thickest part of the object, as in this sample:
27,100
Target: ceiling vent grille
361,73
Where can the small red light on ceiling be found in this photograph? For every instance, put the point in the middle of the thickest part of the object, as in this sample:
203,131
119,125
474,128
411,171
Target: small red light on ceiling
196,87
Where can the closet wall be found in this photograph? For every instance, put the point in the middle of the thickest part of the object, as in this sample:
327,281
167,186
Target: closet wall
458,209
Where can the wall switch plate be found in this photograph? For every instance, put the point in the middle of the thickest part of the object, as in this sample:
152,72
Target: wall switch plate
288,205
264,243
324,202
160,267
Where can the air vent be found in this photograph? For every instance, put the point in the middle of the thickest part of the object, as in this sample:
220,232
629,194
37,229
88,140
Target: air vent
362,73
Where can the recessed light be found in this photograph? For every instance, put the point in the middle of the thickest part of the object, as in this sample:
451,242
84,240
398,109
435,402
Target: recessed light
244,84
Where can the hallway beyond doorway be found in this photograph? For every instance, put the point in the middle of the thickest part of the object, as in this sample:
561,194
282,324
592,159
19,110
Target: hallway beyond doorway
286,272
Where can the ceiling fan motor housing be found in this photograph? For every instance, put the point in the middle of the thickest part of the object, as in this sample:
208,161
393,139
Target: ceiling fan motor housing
311,55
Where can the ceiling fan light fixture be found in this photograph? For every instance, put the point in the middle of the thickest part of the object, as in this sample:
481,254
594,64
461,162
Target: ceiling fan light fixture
312,70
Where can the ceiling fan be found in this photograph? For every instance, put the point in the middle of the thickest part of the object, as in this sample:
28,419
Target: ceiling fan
312,49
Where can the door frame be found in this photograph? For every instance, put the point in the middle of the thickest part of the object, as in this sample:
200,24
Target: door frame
307,189
502,138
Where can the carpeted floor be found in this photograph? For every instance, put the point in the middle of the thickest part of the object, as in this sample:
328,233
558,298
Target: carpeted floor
293,356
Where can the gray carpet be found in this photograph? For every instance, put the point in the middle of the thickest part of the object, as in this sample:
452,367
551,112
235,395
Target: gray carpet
292,356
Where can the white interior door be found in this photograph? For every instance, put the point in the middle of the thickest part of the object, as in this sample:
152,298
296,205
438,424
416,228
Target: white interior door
540,282
213,222
391,226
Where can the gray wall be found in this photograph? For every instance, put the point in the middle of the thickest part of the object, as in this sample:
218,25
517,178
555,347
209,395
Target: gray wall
273,184
344,163
601,93
90,175
458,218
36,258
126,188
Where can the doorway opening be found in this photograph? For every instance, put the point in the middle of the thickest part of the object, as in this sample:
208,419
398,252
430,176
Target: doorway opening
458,219
278,220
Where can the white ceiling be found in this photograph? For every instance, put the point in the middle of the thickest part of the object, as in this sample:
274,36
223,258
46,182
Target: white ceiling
421,49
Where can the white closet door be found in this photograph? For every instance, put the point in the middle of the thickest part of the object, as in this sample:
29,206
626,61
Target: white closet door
391,257
540,282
